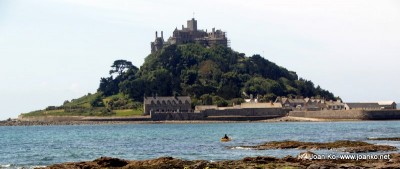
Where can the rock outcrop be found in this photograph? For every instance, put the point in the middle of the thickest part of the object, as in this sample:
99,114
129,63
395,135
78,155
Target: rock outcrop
248,162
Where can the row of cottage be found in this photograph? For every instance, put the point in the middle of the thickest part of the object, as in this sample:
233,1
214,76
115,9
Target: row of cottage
183,104
322,104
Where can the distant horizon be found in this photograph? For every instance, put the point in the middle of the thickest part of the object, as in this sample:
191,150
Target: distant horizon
54,51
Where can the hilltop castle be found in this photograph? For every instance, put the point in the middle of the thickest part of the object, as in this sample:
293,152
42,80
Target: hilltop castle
190,34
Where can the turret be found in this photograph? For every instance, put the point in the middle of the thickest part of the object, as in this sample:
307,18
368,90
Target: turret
192,24
158,43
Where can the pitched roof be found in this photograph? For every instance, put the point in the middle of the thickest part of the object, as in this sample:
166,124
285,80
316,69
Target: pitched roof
363,105
386,102
334,103
296,101
183,99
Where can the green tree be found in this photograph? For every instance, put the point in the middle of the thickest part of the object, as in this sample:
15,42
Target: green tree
120,66
97,101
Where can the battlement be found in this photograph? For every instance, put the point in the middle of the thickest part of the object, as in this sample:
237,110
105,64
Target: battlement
190,34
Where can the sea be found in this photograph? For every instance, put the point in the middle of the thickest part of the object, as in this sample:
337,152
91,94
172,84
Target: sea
33,146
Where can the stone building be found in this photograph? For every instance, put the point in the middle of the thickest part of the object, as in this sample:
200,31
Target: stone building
387,104
190,34
362,106
310,104
371,105
289,103
166,104
335,105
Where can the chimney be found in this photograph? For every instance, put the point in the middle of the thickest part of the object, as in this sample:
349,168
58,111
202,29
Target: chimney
156,34
162,36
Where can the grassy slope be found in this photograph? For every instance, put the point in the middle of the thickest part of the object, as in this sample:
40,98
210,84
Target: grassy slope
85,109
129,112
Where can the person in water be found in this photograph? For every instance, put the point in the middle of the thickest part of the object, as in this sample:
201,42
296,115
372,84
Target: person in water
226,137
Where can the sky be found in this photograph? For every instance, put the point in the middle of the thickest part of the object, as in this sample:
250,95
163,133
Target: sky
57,50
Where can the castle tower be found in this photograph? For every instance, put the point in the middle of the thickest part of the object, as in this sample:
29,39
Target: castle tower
191,34
158,43
192,24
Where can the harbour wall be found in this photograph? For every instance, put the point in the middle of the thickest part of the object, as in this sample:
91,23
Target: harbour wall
240,114
246,112
349,114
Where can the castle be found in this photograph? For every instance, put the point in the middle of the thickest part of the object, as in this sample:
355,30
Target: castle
191,34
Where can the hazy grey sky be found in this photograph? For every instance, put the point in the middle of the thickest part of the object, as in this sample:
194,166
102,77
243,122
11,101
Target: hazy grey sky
52,51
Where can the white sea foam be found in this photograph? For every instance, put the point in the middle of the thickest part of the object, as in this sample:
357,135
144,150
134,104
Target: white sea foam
37,166
5,165
241,148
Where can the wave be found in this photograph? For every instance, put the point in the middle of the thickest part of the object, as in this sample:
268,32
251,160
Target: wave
241,148
5,165
13,166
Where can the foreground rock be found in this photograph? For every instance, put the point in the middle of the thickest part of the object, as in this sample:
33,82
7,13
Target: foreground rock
248,162
344,145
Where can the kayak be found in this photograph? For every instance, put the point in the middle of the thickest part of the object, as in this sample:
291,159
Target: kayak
225,139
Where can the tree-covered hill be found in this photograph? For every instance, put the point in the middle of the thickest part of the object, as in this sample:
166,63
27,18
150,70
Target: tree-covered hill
209,75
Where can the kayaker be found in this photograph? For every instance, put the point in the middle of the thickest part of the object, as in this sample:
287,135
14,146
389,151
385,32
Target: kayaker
226,137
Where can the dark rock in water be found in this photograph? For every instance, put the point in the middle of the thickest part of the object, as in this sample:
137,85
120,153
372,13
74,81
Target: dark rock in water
386,138
369,148
248,162
110,162
346,145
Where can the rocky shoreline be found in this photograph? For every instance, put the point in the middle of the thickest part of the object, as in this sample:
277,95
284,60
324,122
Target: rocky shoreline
306,160
50,123
248,163
386,138
341,145
127,120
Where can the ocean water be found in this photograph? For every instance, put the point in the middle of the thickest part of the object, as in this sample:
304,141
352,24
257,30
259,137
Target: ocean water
30,146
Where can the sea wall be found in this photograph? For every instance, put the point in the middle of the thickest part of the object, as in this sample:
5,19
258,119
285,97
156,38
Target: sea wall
349,114
247,112
223,114
329,114
176,116
382,114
